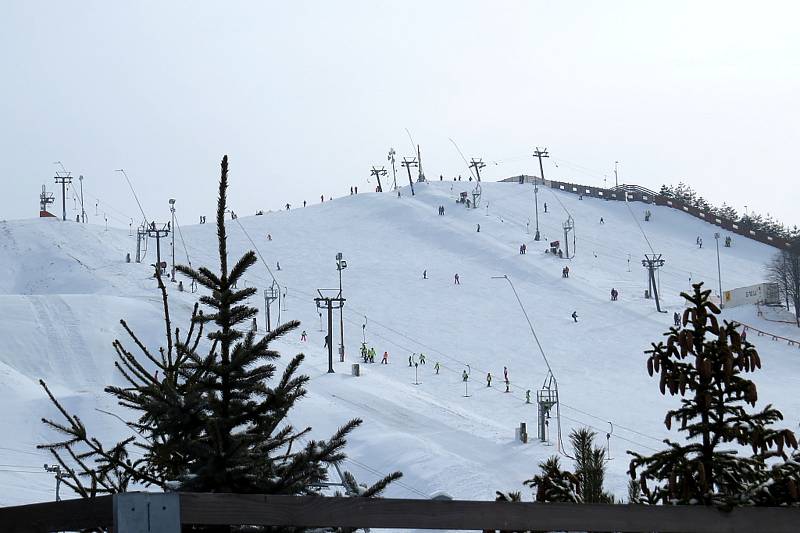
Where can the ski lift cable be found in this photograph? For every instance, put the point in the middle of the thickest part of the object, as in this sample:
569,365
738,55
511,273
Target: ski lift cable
180,234
628,205
469,168
133,191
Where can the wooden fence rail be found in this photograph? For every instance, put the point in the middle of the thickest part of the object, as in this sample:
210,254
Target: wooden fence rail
166,513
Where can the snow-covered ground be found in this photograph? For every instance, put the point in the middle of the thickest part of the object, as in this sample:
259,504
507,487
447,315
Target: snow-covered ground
64,287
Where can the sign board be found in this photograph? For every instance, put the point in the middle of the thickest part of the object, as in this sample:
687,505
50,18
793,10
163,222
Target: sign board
763,293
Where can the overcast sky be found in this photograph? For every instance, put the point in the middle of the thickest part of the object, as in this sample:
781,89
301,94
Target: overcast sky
306,96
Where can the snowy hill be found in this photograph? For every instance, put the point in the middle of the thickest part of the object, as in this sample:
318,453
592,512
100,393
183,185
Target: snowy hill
64,287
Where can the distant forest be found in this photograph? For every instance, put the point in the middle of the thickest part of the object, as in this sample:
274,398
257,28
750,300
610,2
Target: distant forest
751,220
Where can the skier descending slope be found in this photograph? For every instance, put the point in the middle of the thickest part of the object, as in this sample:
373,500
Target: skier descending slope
575,316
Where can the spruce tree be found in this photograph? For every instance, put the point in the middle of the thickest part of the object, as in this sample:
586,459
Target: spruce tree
704,363
590,466
211,407
554,484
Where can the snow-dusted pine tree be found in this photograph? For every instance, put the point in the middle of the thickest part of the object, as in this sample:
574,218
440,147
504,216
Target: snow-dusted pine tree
554,484
704,364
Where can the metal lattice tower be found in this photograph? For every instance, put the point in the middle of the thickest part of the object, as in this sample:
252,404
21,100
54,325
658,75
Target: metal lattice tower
45,199
653,262
408,163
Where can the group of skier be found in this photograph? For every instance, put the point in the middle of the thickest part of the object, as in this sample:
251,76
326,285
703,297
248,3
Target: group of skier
368,355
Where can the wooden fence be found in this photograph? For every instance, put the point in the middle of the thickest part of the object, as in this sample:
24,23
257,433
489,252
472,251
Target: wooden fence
635,193
166,513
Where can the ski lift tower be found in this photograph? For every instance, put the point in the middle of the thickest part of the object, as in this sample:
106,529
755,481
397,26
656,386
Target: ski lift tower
45,199
330,299
546,399
652,262
569,225
270,295
477,164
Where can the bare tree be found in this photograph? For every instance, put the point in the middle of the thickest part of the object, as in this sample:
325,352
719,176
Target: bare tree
784,269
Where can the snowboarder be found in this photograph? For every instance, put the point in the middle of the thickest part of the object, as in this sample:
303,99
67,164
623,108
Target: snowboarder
303,336
385,360
456,280
425,274
528,396
575,316
436,367
488,379
676,318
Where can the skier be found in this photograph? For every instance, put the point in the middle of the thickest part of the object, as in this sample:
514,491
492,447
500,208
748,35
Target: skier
602,221
288,206
488,379
701,243
505,378
356,189
410,360
278,265
677,319
613,294
425,274
575,316
364,352
422,358
456,280
303,336
351,191
464,376
436,367
565,271
385,360
304,203
321,198
545,207
327,339
479,228
269,236
528,396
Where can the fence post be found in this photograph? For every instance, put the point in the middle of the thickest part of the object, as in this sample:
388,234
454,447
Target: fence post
144,512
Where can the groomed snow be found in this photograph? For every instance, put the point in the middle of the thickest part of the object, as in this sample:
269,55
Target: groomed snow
64,287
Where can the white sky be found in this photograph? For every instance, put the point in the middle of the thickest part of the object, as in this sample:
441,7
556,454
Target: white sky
306,96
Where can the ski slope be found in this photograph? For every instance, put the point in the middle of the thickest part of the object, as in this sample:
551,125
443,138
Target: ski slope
64,287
